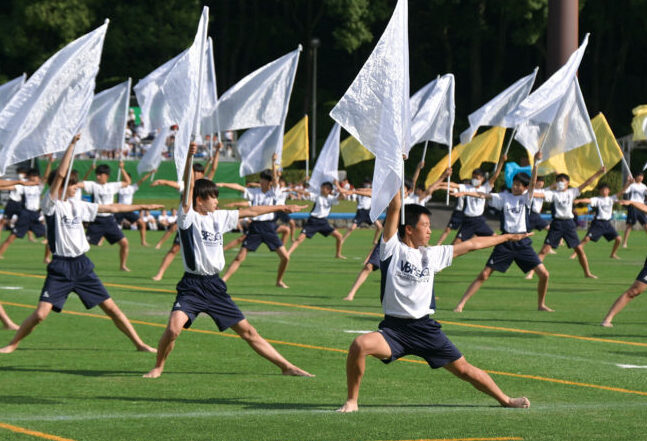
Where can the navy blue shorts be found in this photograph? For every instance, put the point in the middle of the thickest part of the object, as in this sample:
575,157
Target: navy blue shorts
520,252
642,276
208,294
472,226
374,258
104,226
316,225
601,228
562,228
72,274
634,215
130,216
262,232
456,219
536,222
28,220
13,208
362,216
282,216
421,337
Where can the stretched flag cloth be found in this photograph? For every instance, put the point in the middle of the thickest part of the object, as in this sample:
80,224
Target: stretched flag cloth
436,172
182,92
259,99
295,143
51,107
106,122
375,108
494,111
485,147
554,118
327,166
582,162
638,123
153,156
432,112
256,147
209,124
10,88
353,152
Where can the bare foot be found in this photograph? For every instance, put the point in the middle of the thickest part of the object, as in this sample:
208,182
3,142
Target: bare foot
158,246
614,256
145,244
529,275
573,256
157,277
124,268
154,373
348,298
281,284
348,407
11,326
1,257
624,245
48,260
339,256
552,251
545,308
518,403
606,324
590,276
8,349
145,348
296,372
458,309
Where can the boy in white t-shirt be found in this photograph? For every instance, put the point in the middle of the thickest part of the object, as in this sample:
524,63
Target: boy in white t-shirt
636,192
125,195
363,209
408,266
201,290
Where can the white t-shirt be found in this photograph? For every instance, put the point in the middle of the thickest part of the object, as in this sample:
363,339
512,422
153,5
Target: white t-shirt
31,194
126,194
256,197
604,206
538,202
514,209
363,202
66,218
15,194
202,237
460,204
102,193
636,192
563,201
281,194
474,206
323,204
410,277
78,195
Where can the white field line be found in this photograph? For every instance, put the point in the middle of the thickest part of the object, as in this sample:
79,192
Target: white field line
630,366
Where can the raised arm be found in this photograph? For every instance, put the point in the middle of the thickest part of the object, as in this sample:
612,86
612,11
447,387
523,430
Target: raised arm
392,217
533,175
264,209
187,178
48,169
166,182
213,164
275,171
231,186
497,170
441,180
125,177
87,173
416,174
478,243
143,178
61,172
630,180
586,183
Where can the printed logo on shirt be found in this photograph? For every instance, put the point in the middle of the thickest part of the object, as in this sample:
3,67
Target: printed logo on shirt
408,270
211,239
71,222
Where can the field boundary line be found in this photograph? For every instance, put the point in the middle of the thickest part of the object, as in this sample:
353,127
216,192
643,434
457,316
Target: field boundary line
344,351
18,429
365,313
504,438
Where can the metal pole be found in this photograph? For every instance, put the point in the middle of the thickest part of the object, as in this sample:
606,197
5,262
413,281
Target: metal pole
507,148
123,136
424,151
402,196
67,176
314,43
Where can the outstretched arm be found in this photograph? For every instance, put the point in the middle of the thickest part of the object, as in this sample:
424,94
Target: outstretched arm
478,243
586,183
630,181
360,191
124,208
143,178
61,172
582,201
231,186
441,180
264,209
498,169
638,205
392,217
166,182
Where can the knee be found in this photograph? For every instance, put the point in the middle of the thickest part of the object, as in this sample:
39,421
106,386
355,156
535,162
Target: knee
123,243
483,276
542,273
39,316
173,331
249,334
633,292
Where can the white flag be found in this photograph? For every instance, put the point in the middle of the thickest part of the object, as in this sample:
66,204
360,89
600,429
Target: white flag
52,105
259,99
432,112
375,108
326,168
494,111
10,88
153,156
106,122
256,147
181,91
209,124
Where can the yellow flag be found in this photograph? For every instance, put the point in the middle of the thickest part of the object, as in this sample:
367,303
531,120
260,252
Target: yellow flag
485,147
438,169
295,143
353,152
580,163
640,114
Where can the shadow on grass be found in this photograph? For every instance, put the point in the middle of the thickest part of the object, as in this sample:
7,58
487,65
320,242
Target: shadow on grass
19,399
115,373
630,354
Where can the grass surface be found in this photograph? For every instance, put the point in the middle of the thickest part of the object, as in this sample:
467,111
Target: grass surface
77,377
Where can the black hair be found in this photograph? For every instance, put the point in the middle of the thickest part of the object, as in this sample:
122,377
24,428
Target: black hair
267,175
102,169
327,184
561,176
541,178
602,185
412,213
22,169
33,172
74,177
197,167
478,172
408,183
421,187
367,183
640,173
204,188
522,178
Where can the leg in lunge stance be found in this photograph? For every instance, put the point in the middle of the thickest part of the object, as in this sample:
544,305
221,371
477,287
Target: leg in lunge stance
167,341
634,291
35,318
121,321
166,261
7,323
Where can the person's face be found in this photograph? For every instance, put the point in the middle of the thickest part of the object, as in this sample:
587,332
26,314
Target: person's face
604,192
539,184
265,185
198,174
325,190
562,184
639,178
518,188
207,205
477,180
421,234
35,179
102,178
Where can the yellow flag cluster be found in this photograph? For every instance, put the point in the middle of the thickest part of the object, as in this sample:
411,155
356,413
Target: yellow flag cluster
295,143
353,152
582,162
638,122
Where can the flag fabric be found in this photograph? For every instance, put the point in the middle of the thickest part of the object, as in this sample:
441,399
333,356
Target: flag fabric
327,166
432,112
353,152
295,143
639,122
256,147
581,163
181,91
10,88
106,122
259,99
209,124
153,156
485,147
494,111
436,172
51,107
375,108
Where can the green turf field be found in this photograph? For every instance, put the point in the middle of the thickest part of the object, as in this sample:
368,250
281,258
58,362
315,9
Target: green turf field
77,378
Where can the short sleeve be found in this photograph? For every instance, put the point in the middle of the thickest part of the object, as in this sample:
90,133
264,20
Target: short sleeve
388,248
227,218
574,191
334,200
88,186
86,210
247,194
496,201
461,188
487,187
595,202
115,186
134,187
628,190
440,257
185,220
548,196
19,189
49,205
614,198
